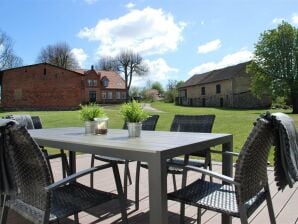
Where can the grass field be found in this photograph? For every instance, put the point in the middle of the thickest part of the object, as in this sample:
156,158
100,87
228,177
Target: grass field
236,122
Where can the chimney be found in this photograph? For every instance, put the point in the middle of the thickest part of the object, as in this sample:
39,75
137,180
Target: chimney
92,67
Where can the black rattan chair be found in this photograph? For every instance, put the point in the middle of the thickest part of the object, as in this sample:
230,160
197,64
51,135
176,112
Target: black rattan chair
37,198
192,123
241,196
26,120
147,125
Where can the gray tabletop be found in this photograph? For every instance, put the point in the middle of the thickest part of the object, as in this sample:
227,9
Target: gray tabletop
154,147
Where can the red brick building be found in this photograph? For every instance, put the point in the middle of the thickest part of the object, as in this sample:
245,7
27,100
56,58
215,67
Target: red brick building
48,87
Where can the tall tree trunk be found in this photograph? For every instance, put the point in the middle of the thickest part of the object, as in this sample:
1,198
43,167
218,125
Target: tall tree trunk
126,82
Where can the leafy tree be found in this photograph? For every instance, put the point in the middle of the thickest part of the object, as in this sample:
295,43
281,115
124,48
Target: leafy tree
8,59
172,90
128,63
157,85
275,65
58,54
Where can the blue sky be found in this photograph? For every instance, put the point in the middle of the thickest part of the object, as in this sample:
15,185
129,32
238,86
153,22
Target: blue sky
177,38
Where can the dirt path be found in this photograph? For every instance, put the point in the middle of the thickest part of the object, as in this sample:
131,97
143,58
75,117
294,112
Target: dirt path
149,108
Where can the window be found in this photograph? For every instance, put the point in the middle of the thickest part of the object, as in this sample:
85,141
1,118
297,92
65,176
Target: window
44,71
123,95
110,95
92,83
218,88
103,94
118,95
203,91
105,82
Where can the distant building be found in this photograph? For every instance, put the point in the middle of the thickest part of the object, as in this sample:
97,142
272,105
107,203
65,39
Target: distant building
48,87
227,87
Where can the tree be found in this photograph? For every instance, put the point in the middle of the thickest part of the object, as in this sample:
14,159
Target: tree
172,90
128,63
157,85
58,54
106,63
274,68
8,59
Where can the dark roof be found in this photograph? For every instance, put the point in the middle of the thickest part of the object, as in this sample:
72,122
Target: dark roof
217,75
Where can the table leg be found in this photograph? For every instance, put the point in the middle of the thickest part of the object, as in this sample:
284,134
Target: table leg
227,169
158,190
72,162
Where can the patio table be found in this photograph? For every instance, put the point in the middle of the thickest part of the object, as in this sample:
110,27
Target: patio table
153,147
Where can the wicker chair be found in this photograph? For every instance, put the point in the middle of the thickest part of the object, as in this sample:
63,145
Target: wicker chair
37,124
189,123
192,123
37,198
147,125
241,196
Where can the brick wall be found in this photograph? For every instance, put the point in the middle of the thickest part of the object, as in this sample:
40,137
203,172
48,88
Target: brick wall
41,87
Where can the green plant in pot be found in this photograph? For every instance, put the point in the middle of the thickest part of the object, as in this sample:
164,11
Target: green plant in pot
95,119
133,114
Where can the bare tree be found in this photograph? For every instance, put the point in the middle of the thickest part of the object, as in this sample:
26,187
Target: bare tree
106,63
58,54
128,63
8,59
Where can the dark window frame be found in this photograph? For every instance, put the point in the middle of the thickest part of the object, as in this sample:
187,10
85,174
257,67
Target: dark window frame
218,88
203,90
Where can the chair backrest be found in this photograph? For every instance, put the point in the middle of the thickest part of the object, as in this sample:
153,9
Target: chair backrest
251,165
30,122
149,124
193,123
30,169
36,122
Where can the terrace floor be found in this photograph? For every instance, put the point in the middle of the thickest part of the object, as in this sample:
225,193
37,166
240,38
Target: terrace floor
284,203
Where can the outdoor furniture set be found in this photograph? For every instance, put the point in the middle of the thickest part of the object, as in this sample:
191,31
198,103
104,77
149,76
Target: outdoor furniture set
25,167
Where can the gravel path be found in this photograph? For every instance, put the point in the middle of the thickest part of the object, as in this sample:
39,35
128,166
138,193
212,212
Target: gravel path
149,108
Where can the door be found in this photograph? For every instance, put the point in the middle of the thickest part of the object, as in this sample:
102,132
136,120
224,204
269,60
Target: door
92,96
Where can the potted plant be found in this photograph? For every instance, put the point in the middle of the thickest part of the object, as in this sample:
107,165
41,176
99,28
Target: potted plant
95,119
133,114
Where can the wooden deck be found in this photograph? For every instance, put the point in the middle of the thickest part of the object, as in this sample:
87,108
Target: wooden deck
284,203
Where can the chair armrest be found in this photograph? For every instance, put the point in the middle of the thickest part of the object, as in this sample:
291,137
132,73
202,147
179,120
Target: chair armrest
76,176
231,153
225,178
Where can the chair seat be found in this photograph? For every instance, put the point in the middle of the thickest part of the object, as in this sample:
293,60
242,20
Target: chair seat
110,159
214,196
66,201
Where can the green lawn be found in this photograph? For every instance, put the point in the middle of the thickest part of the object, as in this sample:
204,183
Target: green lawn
236,122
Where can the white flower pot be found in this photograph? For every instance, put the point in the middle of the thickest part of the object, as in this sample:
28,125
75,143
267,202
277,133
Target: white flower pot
134,129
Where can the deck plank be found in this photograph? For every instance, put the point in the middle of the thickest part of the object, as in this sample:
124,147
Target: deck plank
285,203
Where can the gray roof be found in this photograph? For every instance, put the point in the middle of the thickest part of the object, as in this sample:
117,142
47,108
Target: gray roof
217,75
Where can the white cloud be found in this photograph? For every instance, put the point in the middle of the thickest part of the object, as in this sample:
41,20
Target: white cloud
80,55
147,31
90,1
130,5
278,20
159,71
228,60
295,19
1,48
209,47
